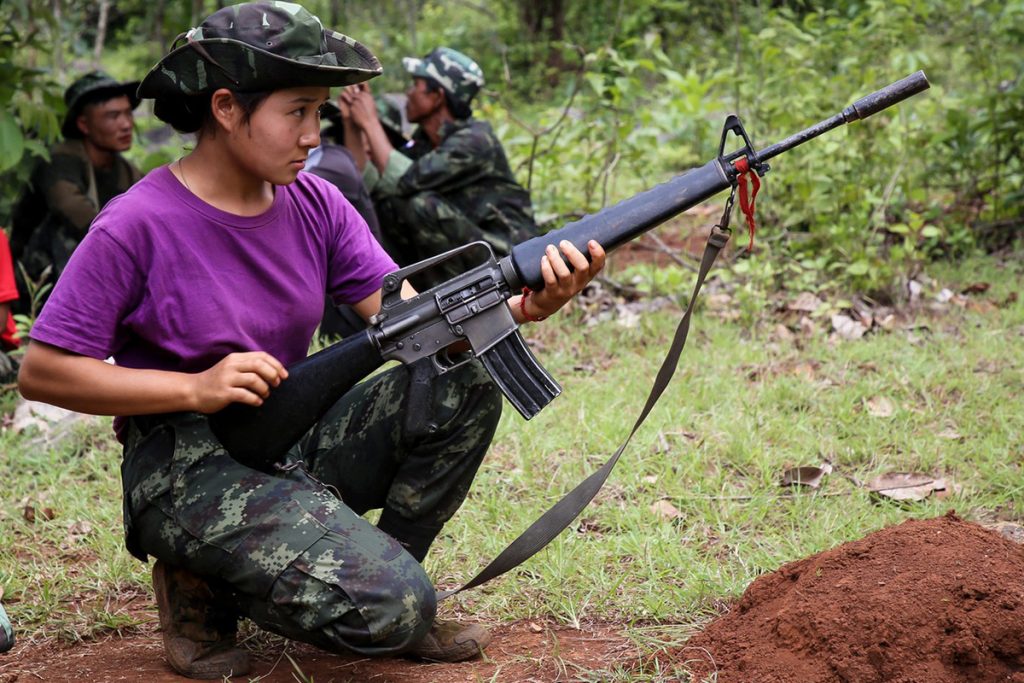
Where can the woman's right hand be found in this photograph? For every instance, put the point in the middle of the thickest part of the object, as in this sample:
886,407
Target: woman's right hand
238,378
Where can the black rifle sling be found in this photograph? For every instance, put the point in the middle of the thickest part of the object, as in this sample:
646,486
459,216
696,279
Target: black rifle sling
561,515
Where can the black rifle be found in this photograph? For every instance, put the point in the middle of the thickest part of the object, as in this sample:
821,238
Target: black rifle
471,307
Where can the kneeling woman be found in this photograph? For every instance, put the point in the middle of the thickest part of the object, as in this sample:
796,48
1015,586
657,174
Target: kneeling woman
204,281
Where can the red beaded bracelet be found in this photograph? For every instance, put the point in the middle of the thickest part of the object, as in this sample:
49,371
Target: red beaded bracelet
522,307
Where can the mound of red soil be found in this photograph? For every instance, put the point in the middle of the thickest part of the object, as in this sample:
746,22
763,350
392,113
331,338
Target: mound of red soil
931,601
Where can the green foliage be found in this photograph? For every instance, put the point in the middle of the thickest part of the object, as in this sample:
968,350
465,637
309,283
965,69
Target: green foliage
29,102
864,207
37,291
597,101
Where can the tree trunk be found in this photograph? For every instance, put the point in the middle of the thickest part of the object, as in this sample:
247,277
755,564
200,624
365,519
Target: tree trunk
158,25
101,32
544,21
556,31
412,12
58,43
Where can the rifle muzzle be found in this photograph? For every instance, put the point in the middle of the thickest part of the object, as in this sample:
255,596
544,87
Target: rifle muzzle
887,96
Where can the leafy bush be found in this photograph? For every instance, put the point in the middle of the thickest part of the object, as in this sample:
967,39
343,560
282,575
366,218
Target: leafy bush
29,103
863,207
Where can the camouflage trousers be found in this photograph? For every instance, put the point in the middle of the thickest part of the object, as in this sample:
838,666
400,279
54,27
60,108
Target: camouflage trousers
291,550
426,224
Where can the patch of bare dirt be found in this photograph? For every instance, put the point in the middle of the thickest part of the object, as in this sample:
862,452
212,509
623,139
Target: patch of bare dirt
521,651
927,601
680,238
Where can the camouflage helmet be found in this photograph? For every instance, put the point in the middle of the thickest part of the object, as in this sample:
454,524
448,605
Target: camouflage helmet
459,75
259,46
95,86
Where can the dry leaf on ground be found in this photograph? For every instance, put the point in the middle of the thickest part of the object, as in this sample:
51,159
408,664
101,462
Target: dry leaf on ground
1008,530
78,530
879,406
806,302
807,475
783,333
666,509
976,288
950,433
847,328
910,486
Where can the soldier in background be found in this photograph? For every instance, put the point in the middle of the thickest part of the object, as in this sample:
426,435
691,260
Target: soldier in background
333,162
85,171
457,187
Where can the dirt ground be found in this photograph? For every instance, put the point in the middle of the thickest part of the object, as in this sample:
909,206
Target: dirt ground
521,651
926,601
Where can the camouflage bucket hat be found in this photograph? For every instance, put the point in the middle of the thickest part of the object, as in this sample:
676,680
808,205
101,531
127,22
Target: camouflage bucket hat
389,111
259,46
459,75
95,86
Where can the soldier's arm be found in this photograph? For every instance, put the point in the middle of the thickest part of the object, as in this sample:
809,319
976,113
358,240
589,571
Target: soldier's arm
462,159
88,385
61,184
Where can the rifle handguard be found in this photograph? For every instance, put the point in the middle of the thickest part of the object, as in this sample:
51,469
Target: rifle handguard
523,380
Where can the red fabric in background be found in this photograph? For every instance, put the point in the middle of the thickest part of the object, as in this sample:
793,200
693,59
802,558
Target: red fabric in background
8,292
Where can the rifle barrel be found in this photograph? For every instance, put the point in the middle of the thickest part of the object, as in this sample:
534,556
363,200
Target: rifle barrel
622,222
861,109
619,223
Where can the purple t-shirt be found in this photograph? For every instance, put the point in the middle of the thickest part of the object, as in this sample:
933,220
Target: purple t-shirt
165,281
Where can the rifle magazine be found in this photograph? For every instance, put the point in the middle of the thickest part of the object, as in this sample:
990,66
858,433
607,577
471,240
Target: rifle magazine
523,380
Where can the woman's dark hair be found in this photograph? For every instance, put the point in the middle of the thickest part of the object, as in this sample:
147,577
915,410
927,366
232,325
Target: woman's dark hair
458,109
191,113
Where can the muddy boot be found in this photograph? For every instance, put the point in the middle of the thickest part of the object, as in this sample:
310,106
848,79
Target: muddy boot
450,641
6,631
199,635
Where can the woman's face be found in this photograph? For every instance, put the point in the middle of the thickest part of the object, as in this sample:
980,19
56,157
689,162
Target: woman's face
277,139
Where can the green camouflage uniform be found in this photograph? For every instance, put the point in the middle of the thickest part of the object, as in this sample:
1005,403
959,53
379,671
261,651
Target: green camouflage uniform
70,192
290,550
460,192
66,193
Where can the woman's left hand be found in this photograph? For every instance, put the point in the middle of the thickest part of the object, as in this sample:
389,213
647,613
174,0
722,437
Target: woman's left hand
560,283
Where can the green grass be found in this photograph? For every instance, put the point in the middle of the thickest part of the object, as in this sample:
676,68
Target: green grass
742,408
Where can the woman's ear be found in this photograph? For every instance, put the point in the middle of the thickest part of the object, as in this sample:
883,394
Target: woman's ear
225,109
